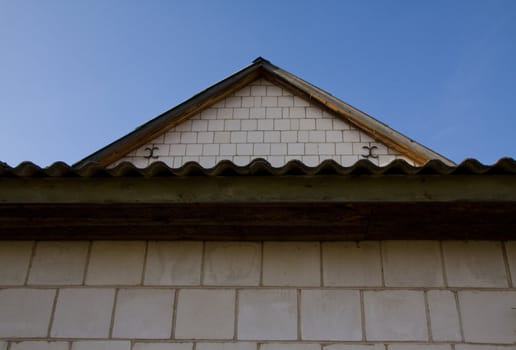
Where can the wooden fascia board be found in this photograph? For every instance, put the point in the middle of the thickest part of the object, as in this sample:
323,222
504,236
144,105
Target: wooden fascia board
260,207
259,221
260,189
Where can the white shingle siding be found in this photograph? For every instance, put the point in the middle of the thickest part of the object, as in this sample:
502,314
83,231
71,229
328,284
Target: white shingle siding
255,119
326,295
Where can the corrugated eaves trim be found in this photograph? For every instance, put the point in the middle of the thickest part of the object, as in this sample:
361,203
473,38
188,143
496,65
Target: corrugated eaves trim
259,167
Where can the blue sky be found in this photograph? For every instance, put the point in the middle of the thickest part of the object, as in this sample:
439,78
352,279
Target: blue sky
77,75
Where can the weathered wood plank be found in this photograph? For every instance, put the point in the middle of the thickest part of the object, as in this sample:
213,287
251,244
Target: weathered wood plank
260,189
251,221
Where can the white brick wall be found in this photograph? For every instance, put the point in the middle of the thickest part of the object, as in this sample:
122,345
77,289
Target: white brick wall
511,257
330,315
117,262
40,345
163,346
295,346
395,315
227,346
14,261
25,312
291,264
251,123
488,316
102,345
205,314
268,314
354,347
475,264
444,317
143,313
351,264
77,316
173,263
412,264
419,347
483,347
67,260
232,263
258,295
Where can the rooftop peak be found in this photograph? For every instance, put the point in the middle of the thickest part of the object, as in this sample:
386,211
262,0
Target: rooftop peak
260,59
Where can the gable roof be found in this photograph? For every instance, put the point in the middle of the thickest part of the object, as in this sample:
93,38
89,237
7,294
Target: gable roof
261,68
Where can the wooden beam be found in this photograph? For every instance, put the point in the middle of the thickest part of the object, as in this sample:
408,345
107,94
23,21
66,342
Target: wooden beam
260,189
265,221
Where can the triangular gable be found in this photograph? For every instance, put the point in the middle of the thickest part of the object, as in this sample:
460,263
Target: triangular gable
262,120
292,120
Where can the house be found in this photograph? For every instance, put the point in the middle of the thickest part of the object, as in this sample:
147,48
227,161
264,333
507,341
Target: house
261,214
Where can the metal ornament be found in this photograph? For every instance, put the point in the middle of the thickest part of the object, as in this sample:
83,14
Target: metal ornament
370,153
151,152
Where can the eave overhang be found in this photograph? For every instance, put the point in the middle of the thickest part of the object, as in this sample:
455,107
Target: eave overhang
258,202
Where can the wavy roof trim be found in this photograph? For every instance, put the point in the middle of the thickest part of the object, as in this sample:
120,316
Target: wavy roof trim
259,167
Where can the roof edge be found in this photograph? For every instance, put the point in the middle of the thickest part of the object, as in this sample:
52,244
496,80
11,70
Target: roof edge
199,101
260,67
362,120
259,167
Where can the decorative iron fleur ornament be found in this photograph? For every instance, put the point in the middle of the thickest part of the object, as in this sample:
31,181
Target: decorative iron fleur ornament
370,153
150,153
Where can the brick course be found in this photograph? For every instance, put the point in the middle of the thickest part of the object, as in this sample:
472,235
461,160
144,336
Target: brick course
173,263
488,316
205,314
395,315
268,314
412,264
143,313
232,263
114,262
83,313
475,264
330,315
40,345
348,264
102,345
66,260
444,318
291,264
25,312
14,262
258,295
